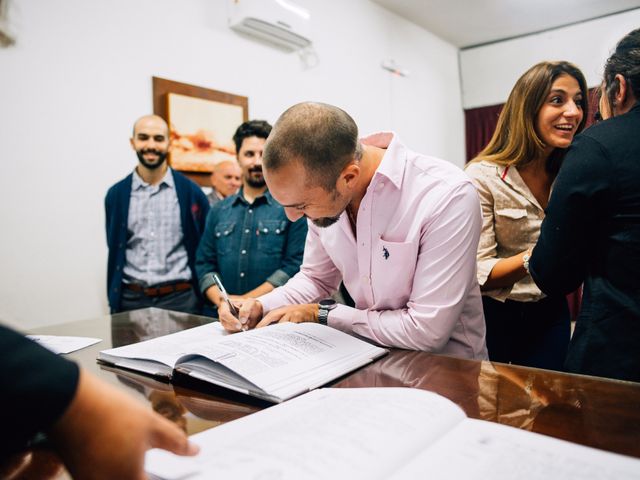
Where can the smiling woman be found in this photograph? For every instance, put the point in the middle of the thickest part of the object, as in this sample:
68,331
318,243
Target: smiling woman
514,174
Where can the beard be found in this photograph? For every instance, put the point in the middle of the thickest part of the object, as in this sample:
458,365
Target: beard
324,222
162,156
254,177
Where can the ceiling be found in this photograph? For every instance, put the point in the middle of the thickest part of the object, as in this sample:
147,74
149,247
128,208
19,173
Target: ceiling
468,23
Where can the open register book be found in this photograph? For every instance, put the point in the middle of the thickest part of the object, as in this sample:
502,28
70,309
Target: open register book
274,363
381,433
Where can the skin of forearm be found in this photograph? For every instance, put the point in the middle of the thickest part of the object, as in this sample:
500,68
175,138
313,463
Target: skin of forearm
506,272
266,287
213,294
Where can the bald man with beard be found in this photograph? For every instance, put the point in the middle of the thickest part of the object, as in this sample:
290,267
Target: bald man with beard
154,218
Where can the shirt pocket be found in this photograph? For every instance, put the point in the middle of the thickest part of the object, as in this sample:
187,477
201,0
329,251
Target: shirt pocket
271,236
224,237
512,213
393,266
512,227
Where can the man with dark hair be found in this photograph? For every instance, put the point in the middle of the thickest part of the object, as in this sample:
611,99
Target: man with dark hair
399,228
155,217
591,232
248,240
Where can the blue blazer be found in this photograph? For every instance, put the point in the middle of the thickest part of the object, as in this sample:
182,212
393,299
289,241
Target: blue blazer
194,208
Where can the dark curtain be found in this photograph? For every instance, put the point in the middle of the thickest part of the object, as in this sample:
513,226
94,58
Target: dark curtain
480,124
594,99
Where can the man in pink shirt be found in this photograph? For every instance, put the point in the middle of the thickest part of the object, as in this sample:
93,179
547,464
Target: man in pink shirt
400,230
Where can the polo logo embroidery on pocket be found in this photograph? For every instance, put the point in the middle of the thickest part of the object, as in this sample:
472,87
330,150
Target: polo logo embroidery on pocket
385,252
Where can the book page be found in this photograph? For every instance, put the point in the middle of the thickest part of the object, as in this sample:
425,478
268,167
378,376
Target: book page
167,349
287,359
480,449
328,433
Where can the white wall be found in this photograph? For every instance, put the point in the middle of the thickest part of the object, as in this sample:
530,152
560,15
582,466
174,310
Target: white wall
80,75
489,72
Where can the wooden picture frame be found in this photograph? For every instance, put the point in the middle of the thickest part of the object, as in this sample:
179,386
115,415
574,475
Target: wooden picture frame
202,122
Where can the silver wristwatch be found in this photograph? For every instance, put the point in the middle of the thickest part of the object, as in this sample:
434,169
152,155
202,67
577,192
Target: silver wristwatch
525,260
324,307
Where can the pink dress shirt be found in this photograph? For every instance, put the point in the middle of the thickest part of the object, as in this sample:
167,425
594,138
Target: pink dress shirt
411,268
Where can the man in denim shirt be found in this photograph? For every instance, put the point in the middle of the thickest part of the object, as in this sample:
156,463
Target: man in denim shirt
248,240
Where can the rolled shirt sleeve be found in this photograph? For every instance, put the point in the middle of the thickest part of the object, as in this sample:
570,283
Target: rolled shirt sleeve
207,255
488,246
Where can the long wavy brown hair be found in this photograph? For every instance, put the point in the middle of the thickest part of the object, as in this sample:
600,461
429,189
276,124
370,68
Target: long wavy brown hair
515,140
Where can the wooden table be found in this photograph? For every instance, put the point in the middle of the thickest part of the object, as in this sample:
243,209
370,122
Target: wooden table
591,411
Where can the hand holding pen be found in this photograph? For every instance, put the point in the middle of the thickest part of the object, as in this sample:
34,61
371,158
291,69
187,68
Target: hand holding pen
238,319
225,297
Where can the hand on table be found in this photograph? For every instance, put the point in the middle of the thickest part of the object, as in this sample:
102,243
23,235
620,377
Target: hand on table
105,433
291,313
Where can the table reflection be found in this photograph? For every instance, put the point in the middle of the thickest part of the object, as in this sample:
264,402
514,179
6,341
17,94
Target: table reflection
147,323
403,368
189,397
592,411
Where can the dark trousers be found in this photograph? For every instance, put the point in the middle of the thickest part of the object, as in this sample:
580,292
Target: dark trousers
534,334
186,301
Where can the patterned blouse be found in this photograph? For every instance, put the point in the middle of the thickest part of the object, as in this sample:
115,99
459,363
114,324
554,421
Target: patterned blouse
511,220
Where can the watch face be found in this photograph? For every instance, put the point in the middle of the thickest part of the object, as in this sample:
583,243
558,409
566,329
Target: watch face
327,303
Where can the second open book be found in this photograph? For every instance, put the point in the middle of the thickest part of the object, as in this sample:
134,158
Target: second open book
381,433
274,363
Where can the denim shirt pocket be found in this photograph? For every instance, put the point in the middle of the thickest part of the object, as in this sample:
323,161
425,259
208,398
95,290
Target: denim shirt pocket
224,237
271,236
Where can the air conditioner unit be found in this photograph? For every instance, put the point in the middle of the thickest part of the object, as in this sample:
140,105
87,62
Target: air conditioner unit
279,22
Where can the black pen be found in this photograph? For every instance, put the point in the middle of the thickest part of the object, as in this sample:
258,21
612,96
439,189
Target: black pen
232,308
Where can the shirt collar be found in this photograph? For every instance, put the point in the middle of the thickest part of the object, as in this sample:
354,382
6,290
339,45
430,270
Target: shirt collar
216,194
137,181
265,197
509,174
394,159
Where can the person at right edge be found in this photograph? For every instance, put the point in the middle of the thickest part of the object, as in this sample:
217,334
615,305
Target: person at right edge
513,175
591,233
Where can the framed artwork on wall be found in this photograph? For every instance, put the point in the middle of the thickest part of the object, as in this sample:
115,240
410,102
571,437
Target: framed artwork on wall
202,123
7,37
